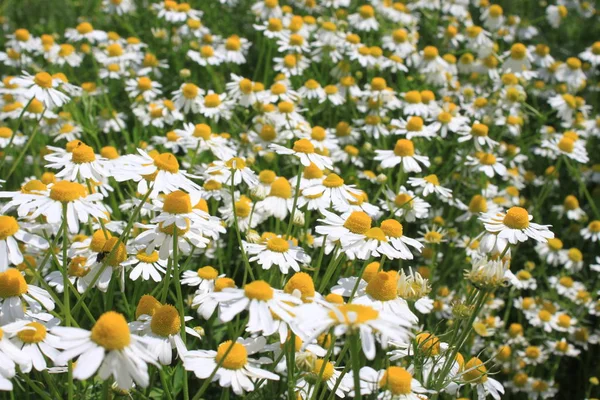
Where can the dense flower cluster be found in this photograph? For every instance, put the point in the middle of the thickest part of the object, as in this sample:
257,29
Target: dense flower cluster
301,199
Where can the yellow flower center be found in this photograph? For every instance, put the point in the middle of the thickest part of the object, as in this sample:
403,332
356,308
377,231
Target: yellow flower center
278,245
212,100
302,282
222,283
566,144
413,97
594,226
476,372
397,380
360,313
366,11
83,154
12,283
165,321
237,356
77,267
147,306
573,63
433,179
119,254
170,229
414,124
111,331
281,188
358,222
516,218
404,148
22,35
167,162
523,275
564,321
479,130
35,334
544,315
376,233
331,89
259,290
208,273
43,79
392,228
8,226
562,346
518,51
430,53
532,352
243,208
327,369
207,51
382,286
496,11
84,27
428,343
371,120
400,35
177,202
312,172
147,258
487,159
304,146
433,237
190,91
478,204
233,43
566,281
65,191
575,255
333,180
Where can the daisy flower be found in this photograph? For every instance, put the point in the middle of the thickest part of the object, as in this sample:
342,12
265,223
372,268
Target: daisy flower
592,231
204,279
11,234
570,208
413,127
108,348
313,319
364,20
479,135
161,237
263,302
403,153
392,383
515,226
277,251
206,56
335,192
279,201
160,170
80,205
304,150
216,106
430,184
85,32
235,369
328,374
163,324
80,163
42,87
476,375
14,290
37,341
488,164
188,98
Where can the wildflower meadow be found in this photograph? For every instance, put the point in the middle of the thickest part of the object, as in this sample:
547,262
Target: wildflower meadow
299,199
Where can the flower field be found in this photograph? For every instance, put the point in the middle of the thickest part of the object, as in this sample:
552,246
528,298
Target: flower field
299,199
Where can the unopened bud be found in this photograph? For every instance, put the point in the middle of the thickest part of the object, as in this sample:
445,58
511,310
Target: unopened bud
382,178
258,192
252,236
185,73
298,218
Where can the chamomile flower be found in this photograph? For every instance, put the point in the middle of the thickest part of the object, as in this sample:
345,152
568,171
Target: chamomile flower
304,150
11,233
277,251
430,184
44,88
263,302
392,383
15,290
515,226
313,319
403,153
85,32
592,231
109,349
233,367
